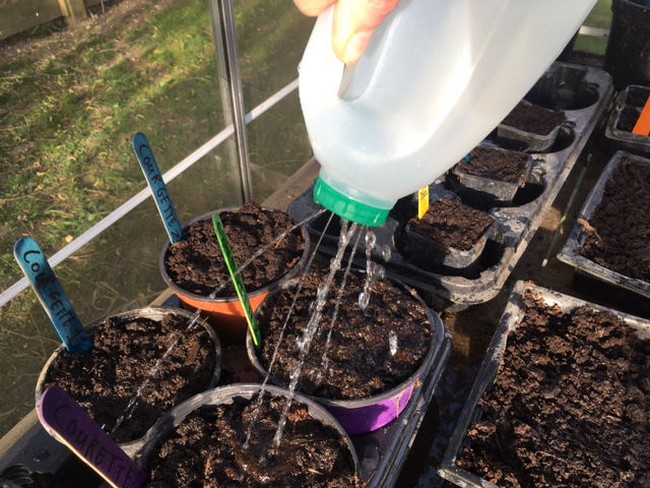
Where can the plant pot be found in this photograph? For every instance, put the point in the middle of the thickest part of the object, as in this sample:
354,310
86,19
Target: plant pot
492,174
609,240
450,235
127,347
366,382
533,125
564,87
559,399
249,227
623,117
207,432
627,57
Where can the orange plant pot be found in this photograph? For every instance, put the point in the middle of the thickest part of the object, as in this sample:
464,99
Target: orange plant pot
226,314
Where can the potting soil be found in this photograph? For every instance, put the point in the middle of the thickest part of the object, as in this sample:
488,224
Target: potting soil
123,357
359,360
206,449
196,263
619,229
451,223
534,118
496,164
569,406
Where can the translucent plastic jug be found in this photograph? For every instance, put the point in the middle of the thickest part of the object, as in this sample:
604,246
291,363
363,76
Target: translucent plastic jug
438,76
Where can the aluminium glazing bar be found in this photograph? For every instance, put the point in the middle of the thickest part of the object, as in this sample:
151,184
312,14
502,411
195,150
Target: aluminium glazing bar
223,24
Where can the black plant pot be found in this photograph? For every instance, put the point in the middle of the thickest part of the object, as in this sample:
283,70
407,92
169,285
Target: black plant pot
627,57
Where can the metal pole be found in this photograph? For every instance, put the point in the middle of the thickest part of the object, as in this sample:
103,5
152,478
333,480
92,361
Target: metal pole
225,35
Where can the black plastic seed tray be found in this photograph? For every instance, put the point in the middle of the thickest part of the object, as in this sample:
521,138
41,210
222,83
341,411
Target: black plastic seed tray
583,93
626,110
570,253
487,374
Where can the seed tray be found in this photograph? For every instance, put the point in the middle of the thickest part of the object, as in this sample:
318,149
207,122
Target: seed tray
629,103
533,142
584,93
502,192
570,253
487,374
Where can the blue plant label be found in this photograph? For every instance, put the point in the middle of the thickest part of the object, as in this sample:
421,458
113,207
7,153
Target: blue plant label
151,171
71,425
50,293
231,264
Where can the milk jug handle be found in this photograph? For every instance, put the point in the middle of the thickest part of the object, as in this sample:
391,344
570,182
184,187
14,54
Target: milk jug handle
353,79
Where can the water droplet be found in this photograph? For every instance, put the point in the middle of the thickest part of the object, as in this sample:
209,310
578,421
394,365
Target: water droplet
392,343
321,294
295,374
41,455
364,300
290,283
371,239
375,272
386,253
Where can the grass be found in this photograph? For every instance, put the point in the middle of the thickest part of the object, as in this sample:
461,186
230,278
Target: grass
600,16
65,145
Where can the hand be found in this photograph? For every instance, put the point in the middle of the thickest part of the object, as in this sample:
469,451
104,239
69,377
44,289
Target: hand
354,23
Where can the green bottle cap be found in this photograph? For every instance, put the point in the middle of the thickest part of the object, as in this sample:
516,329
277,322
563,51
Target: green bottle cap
347,208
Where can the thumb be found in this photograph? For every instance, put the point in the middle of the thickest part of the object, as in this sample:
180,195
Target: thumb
355,22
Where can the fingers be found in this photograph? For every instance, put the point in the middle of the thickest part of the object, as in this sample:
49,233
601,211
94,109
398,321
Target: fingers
312,8
354,24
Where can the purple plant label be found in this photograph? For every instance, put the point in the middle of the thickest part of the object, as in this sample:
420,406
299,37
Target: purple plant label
69,423
155,181
50,293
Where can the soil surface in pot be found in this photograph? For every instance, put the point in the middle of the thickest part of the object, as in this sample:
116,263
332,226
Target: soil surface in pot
196,263
451,223
534,118
206,450
619,229
124,355
369,351
569,406
496,164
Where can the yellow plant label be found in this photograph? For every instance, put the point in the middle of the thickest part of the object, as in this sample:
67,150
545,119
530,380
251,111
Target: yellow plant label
423,201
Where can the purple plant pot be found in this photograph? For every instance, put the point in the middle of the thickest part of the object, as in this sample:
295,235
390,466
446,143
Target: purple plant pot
364,415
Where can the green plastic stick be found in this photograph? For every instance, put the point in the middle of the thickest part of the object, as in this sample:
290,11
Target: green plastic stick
229,257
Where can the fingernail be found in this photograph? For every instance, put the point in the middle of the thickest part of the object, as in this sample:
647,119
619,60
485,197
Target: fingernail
356,46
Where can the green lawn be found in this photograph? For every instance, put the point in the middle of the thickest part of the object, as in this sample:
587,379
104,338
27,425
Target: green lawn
601,17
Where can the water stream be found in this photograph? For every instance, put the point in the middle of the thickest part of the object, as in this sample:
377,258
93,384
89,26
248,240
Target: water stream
374,271
282,330
337,303
312,326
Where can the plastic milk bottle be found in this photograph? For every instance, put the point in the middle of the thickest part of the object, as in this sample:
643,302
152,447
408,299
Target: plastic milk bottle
438,76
